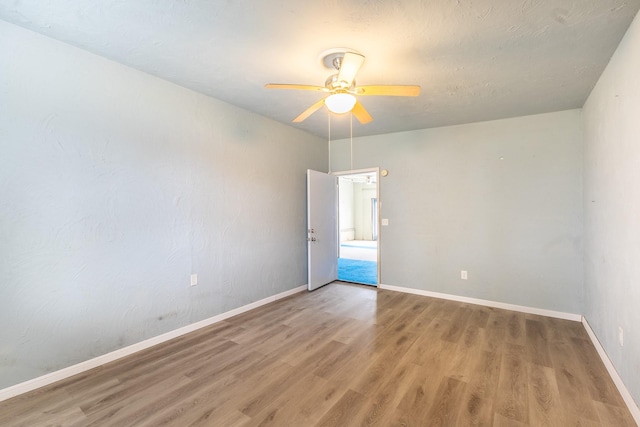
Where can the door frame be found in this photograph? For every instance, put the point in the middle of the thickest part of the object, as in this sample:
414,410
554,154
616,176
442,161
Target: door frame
379,205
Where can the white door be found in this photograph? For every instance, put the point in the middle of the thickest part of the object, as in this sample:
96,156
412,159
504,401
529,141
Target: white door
322,228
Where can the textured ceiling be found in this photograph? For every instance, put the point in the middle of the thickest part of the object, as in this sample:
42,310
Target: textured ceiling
475,60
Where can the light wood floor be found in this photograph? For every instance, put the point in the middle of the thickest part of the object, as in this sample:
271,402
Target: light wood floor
347,355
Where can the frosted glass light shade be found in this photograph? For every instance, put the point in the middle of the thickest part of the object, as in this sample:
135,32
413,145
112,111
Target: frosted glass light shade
340,103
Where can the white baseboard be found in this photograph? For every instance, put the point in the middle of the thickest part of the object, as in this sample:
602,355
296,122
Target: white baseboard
626,396
61,374
487,303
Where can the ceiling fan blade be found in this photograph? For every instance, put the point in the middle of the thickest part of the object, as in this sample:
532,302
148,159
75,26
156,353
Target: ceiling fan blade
349,67
309,111
297,87
388,90
361,114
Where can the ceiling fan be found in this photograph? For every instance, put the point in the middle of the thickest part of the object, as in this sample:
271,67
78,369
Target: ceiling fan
341,87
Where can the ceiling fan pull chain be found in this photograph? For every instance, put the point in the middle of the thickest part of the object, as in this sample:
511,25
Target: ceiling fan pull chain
329,133
351,137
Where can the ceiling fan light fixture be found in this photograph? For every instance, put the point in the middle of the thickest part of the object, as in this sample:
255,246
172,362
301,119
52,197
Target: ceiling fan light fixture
340,103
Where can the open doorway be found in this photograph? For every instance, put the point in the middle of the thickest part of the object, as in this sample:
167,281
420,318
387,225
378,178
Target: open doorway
358,259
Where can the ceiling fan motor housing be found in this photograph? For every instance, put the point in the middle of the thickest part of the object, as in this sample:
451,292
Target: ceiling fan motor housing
332,83
332,58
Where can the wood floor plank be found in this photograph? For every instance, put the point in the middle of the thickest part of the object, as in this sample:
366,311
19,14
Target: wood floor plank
301,405
381,364
417,399
516,329
137,405
59,409
545,408
341,413
457,325
537,343
496,330
152,363
464,359
478,403
480,316
132,385
346,355
353,330
512,400
14,410
281,380
596,376
209,402
406,317
613,415
230,418
379,408
346,362
502,421
445,408
429,352
325,330
577,402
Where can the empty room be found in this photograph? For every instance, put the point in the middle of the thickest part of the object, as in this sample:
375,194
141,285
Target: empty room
171,238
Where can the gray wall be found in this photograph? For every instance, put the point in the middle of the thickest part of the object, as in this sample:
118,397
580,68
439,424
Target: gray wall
514,224
115,186
612,208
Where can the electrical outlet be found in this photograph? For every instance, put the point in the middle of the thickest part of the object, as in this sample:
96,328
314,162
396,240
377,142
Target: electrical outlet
620,336
194,279
463,275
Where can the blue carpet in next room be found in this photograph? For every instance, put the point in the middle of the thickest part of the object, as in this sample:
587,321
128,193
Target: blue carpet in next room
354,270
